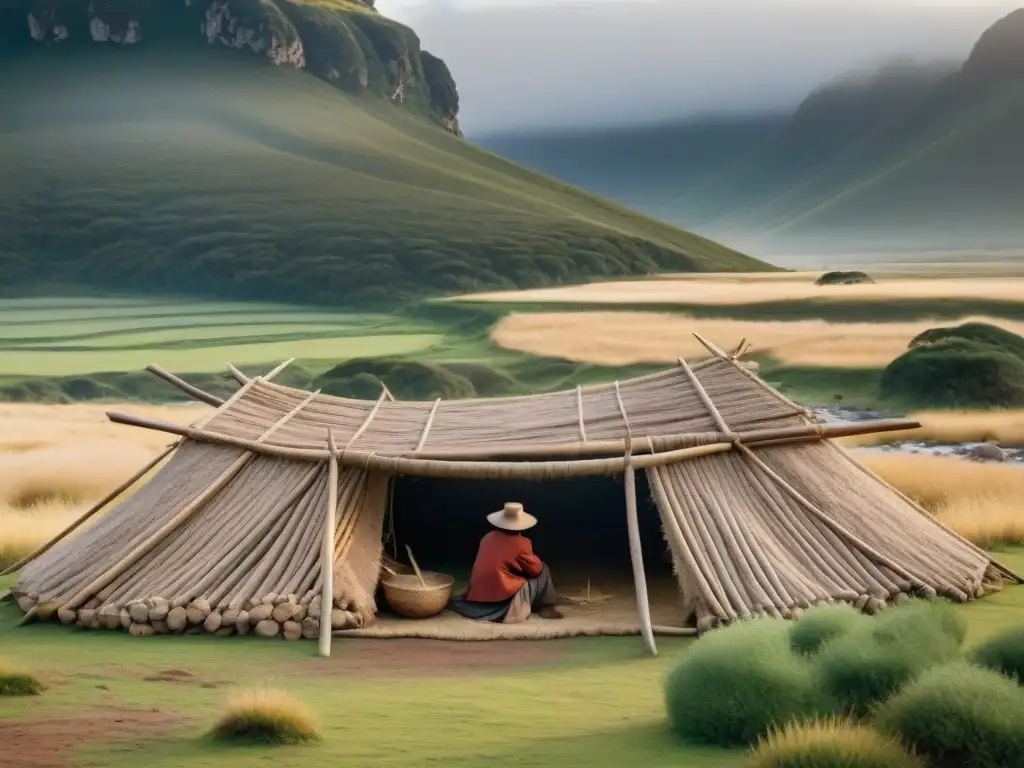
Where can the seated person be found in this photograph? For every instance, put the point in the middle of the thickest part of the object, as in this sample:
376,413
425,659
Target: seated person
508,581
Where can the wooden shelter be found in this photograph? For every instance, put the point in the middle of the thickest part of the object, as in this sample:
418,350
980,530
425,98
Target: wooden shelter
268,514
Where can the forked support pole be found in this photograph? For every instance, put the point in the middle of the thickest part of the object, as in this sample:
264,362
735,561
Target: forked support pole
636,556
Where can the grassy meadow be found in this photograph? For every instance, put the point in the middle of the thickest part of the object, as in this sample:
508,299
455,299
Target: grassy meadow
115,700
112,699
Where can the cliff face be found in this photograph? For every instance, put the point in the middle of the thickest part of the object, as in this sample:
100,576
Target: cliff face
345,42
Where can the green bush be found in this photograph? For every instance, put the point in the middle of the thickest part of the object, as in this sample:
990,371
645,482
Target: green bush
922,621
868,664
981,333
737,683
854,277
955,373
829,744
1003,653
822,623
959,715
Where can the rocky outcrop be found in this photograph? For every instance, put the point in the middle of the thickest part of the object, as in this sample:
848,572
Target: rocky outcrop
344,42
999,52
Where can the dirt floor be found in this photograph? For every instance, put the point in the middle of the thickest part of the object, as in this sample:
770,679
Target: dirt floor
615,616
49,741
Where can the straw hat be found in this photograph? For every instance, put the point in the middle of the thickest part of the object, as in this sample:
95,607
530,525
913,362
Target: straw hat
512,518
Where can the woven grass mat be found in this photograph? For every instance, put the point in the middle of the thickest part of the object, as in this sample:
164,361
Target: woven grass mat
616,617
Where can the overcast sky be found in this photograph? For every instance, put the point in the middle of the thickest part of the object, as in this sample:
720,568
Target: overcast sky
537,63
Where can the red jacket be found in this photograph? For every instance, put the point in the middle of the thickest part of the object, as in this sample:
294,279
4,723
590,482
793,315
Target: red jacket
503,563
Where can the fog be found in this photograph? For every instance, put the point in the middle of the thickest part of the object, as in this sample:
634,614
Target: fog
522,64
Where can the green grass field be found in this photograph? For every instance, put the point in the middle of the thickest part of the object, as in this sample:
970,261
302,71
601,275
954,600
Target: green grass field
583,702
86,348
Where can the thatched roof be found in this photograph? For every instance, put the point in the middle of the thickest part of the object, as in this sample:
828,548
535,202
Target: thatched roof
764,515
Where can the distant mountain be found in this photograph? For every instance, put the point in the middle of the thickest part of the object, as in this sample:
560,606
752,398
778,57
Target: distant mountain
270,149
643,166
913,156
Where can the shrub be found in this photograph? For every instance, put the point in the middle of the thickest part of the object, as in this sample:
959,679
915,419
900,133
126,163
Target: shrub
829,744
961,716
982,333
867,664
1003,653
15,681
922,621
738,682
953,373
853,277
262,716
822,623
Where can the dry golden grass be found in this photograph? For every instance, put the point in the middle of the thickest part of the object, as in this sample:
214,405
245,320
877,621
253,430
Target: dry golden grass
723,289
266,716
56,460
829,743
1005,428
982,502
629,338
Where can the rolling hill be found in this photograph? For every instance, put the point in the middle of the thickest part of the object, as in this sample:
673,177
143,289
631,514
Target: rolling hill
267,149
913,157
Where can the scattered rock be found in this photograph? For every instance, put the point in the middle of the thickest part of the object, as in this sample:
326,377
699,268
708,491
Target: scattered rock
141,630
213,622
292,630
988,452
177,619
283,612
260,613
268,628
139,613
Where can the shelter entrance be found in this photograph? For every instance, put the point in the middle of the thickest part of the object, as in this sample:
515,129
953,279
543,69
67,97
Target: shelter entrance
581,534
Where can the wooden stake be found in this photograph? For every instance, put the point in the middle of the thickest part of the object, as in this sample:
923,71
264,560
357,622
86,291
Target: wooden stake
277,370
327,553
89,513
636,555
194,392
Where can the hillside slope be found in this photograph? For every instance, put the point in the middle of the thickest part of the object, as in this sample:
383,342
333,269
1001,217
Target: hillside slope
175,165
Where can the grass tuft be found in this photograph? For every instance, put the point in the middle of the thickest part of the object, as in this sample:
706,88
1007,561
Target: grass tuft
15,681
829,743
738,682
959,715
866,665
822,623
1003,653
266,716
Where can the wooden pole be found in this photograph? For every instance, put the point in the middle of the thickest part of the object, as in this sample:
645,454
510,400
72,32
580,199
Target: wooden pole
327,552
194,392
89,513
636,554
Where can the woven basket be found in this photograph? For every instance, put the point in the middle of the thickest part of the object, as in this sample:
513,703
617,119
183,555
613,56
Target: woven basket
408,597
